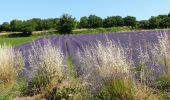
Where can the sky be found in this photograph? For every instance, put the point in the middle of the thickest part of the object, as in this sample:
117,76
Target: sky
27,9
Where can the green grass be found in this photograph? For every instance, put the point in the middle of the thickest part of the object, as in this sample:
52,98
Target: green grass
88,31
13,41
102,30
17,40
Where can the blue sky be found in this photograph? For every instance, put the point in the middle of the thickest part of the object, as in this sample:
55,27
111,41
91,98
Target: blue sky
26,9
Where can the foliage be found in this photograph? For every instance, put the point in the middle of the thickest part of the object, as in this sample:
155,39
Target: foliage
163,83
83,22
164,22
130,21
16,25
102,30
113,21
117,88
66,24
154,22
169,14
5,27
94,21
27,28
144,24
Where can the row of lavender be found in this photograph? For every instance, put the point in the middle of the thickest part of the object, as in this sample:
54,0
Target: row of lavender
132,42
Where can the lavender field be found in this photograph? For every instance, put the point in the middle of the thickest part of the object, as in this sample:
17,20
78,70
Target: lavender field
132,42
113,66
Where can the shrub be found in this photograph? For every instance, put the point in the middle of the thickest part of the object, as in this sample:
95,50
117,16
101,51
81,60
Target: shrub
163,83
117,88
66,24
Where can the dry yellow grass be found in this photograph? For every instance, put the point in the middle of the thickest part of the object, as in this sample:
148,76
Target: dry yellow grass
102,62
47,66
11,63
107,59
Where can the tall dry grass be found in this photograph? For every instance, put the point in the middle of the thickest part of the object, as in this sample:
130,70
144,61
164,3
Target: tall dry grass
104,63
154,66
50,75
109,74
11,64
162,52
46,63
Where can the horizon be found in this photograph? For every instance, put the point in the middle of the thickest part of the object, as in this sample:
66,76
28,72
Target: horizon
24,10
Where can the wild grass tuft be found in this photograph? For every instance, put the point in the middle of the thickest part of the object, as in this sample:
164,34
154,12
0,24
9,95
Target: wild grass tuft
11,66
105,68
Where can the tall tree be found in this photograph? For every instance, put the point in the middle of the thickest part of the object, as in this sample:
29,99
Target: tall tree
144,24
154,22
83,22
130,21
109,22
16,25
94,21
66,24
5,27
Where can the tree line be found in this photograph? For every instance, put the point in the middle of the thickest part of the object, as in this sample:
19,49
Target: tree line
66,23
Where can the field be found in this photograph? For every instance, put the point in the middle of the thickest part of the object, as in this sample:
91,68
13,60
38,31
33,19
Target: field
16,40
113,66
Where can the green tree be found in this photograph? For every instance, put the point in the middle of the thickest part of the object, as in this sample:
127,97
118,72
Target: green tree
66,24
37,24
5,27
165,22
94,21
130,21
154,22
109,22
113,21
119,21
83,22
144,24
27,28
16,25
169,14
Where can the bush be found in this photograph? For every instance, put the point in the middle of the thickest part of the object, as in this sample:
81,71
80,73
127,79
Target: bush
66,24
163,83
117,88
